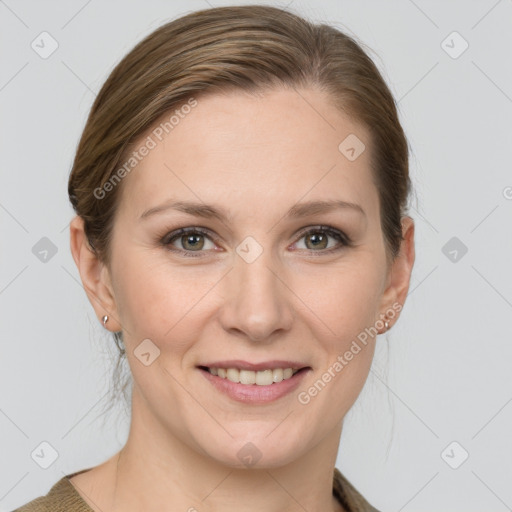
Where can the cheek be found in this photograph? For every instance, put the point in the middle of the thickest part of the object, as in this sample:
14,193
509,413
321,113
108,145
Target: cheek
345,311
350,375
156,299
343,299
142,296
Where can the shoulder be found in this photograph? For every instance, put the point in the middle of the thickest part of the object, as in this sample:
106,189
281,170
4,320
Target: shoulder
351,499
62,497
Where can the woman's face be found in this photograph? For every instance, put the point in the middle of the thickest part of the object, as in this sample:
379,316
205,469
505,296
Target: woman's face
269,277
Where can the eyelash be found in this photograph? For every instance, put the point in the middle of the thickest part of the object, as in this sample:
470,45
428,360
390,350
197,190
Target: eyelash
341,237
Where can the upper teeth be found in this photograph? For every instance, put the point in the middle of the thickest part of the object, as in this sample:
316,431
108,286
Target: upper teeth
260,378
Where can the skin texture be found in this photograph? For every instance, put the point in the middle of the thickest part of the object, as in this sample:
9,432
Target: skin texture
256,157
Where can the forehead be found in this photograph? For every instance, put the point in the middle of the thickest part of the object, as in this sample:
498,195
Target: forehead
275,147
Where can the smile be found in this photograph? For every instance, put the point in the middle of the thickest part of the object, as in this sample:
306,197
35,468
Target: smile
248,377
254,387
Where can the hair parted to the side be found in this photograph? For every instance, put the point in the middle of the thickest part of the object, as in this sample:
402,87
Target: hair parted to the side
249,48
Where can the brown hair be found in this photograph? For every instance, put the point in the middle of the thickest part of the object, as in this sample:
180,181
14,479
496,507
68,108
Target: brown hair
251,48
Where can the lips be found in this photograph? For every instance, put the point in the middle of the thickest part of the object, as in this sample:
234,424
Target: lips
257,393
245,365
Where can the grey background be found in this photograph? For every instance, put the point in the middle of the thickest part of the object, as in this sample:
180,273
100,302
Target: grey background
446,375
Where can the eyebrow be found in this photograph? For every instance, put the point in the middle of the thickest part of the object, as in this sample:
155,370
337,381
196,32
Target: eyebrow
210,211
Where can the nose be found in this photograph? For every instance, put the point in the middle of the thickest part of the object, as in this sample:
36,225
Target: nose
257,300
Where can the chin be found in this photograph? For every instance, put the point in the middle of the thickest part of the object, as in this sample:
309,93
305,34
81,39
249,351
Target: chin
260,451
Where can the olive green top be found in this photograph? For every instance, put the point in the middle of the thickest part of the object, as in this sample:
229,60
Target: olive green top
63,497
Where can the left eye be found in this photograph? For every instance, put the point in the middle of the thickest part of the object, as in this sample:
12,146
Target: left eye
318,239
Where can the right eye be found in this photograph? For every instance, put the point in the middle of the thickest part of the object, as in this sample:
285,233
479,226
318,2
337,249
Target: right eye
189,240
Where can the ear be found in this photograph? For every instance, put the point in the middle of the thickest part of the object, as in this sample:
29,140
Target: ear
399,274
94,274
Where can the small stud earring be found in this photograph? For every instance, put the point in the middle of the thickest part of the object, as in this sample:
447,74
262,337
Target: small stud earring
105,320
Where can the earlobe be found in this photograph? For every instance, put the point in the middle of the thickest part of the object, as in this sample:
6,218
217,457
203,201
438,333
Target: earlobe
94,274
395,294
